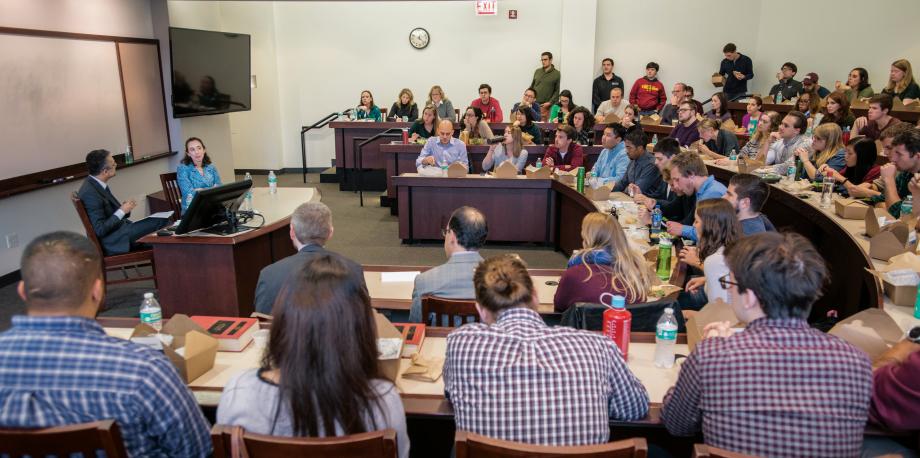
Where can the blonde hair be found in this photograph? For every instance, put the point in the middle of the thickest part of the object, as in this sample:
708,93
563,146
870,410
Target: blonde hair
710,123
517,140
408,92
833,142
600,231
904,66
443,95
774,126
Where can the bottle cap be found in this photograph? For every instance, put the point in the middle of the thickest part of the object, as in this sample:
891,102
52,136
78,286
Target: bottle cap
669,310
148,295
618,302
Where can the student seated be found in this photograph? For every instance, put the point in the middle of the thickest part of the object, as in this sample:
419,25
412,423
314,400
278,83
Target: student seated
768,123
573,381
529,100
716,142
690,176
669,111
719,109
781,146
559,113
475,127
901,82
810,85
630,116
532,132
614,105
809,104
747,193
897,175
366,108
877,119
787,87
827,148
857,86
718,227
439,100
860,170
581,120
731,381
404,107
511,149
605,264
565,154
195,172
641,173
687,129
754,111
895,396
58,367
837,111
424,128
675,206
613,161
297,390
647,92
491,109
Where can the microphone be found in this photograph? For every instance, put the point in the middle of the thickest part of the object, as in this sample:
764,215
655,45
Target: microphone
346,111
495,140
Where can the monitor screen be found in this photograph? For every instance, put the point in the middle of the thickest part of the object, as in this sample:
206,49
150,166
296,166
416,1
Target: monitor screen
210,72
211,207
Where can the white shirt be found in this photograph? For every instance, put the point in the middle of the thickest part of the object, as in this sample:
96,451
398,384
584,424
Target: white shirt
714,267
607,107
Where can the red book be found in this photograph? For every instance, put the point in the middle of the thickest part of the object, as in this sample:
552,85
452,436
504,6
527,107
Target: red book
232,333
413,335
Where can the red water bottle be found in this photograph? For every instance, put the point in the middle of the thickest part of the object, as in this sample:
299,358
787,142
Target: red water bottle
617,323
405,133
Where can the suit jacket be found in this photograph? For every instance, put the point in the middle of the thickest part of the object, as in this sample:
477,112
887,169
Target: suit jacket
273,276
113,233
453,280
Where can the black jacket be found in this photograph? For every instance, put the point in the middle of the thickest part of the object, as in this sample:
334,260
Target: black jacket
113,233
600,91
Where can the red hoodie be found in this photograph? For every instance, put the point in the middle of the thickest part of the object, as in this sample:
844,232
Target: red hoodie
648,94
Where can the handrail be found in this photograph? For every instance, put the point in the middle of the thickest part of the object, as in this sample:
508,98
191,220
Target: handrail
303,138
358,158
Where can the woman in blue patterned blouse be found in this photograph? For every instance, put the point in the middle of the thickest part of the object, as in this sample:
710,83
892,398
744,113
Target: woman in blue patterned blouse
196,171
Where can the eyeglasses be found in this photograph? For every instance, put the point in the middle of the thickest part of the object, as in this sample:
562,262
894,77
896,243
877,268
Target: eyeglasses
724,281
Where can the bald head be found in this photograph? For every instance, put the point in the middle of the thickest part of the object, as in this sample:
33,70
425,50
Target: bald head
470,227
445,130
59,271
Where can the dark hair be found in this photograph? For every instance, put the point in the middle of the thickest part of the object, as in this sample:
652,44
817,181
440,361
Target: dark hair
689,101
187,160
589,118
502,282
842,113
531,90
723,104
322,314
568,130
751,187
783,270
651,65
636,136
96,161
607,59
567,93
469,226
618,130
58,270
758,101
485,86
800,121
371,95
791,66
866,154
729,48
667,146
910,138
528,114
863,79
547,54
479,116
720,226
689,163
883,100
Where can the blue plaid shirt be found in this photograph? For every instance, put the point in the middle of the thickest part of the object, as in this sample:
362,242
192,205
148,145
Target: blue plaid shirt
66,370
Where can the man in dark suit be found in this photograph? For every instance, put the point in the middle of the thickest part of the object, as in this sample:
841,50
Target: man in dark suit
109,217
311,228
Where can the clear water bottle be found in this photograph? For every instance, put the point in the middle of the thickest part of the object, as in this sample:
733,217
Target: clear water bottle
272,182
665,339
733,155
151,313
654,139
539,163
790,172
248,202
656,219
778,99
129,155
907,205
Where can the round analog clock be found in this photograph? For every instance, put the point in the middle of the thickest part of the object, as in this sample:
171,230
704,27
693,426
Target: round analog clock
419,38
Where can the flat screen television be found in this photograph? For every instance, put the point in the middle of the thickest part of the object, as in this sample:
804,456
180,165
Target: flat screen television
210,72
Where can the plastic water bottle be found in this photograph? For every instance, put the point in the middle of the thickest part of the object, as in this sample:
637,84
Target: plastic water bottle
907,205
790,172
272,182
656,219
151,313
778,98
664,257
733,155
248,200
129,155
665,339
539,164
654,139
917,306
617,324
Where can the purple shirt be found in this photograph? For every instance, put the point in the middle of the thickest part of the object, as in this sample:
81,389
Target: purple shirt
686,135
896,395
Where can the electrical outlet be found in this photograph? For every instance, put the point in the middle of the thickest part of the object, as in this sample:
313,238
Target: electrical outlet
12,240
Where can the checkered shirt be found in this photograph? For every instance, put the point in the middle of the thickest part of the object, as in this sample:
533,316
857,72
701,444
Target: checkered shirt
521,380
777,389
66,370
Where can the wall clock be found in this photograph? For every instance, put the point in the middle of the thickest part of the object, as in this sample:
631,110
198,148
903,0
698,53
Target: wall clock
419,38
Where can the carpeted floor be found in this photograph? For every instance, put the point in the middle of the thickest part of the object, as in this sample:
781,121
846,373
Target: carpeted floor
366,234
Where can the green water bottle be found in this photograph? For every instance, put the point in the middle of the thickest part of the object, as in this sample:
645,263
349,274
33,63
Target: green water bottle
664,257
917,306
580,180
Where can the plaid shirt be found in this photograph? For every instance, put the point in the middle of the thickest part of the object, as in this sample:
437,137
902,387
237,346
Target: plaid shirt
520,380
66,370
778,389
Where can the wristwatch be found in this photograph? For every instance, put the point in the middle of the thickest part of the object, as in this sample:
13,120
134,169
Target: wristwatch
914,335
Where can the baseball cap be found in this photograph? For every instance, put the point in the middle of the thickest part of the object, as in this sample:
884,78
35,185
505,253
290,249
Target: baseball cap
811,78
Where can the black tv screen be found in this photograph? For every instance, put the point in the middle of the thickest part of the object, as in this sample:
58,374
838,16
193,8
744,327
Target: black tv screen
210,72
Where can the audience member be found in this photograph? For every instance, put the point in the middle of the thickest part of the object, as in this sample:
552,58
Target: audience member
300,389
781,145
901,83
404,107
560,111
425,127
826,383
687,129
583,122
614,105
669,111
476,128
491,109
857,86
116,233
787,87
719,109
499,152
837,111
465,233
810,84
195,171
630,116
546,83
444,149
529,100
887,137
311,229
716,142
877,119
532,133
690,176
718,227
605,83
895,395
860,171
769,123
58,367
690,94
747,194
897,175
439,100
641,174
565,154
827,148
647,92
737,69
809,104
674,205
605,264
580,384
754,110
613,161
367,109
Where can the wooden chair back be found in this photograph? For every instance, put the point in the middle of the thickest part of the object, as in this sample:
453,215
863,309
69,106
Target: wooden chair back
706,451
84,218
235,442
170,184
448,309
469,445
84,438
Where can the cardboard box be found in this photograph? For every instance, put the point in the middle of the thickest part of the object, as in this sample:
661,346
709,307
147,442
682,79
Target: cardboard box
505,170
729,125
847,208
718,80
567,178
457,170
601,193
388,336
192,350
885,241
902,295
872,331
749,166
712,312
611,118
539,173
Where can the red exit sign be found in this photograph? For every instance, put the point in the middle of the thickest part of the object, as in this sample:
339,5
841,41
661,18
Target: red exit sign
486,7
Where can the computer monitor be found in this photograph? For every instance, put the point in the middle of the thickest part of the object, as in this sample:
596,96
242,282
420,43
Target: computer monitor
213,210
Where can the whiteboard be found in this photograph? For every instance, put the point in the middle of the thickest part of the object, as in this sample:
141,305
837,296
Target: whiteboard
59,99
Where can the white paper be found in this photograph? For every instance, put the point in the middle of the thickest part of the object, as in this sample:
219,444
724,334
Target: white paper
164,215
398,277
902,277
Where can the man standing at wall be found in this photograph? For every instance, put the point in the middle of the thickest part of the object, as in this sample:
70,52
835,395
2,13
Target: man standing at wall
546,84
737,69
604,83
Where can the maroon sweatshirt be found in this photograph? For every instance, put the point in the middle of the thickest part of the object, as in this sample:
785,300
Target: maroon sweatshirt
896,395
648,94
